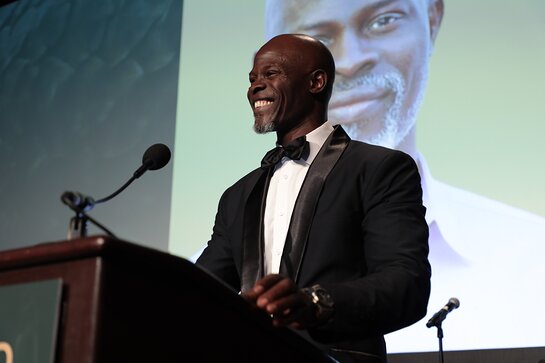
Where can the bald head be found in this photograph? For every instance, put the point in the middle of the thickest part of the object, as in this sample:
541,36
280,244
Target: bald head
290,85
307,53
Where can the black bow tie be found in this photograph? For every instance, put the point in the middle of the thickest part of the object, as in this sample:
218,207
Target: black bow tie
295,150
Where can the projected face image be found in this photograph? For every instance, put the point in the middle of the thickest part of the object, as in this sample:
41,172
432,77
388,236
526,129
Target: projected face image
381,49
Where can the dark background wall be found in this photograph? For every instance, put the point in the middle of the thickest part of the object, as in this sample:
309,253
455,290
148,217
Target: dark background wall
85,88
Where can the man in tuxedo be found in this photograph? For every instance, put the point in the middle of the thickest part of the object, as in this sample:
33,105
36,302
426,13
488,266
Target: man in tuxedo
329,235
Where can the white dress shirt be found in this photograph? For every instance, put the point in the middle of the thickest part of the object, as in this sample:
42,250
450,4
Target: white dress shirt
283,190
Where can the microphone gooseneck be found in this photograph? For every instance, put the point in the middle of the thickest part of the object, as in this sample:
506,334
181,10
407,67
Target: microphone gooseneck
154,158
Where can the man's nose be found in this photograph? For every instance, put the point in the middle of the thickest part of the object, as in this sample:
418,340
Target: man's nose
256,86
354,55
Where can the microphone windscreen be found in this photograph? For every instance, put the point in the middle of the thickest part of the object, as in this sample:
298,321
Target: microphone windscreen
69,198
454,302
156,156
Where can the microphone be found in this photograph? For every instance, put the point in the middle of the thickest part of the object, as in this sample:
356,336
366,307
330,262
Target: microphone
78,201
441,315
155,157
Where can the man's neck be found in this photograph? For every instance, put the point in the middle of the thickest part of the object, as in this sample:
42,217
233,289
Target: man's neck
298,131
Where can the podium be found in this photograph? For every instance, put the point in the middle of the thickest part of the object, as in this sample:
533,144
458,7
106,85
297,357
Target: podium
121,302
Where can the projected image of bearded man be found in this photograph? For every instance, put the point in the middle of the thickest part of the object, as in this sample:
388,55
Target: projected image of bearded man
382,54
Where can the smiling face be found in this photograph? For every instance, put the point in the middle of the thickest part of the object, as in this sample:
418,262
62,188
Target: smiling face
275,88
284,82
381,50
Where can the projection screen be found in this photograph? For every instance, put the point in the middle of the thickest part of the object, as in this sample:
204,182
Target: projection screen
479,132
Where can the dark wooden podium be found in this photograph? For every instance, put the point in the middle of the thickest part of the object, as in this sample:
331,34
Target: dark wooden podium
122,302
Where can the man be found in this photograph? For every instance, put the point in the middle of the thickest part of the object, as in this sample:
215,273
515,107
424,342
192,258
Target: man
333,242
381,49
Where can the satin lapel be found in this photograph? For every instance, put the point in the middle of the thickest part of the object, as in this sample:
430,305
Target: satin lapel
305,207
252,244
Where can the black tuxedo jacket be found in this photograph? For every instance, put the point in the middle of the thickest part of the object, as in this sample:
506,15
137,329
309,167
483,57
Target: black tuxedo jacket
357,229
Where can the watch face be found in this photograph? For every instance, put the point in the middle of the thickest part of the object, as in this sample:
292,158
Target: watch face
323,298
323,302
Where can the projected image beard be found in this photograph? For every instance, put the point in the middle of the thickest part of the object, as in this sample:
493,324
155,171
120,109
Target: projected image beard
395,124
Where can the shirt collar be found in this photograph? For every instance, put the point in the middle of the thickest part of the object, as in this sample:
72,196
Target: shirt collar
316,139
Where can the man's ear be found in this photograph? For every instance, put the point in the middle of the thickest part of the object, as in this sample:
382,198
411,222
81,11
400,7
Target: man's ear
436,9
318,81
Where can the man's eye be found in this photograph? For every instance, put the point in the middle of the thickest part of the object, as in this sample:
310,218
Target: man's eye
271,73
382,22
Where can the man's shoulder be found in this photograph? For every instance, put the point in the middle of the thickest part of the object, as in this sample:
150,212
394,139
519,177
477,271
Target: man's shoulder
245,183
356,146
358,151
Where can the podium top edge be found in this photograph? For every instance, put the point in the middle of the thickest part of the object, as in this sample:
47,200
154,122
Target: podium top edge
59,251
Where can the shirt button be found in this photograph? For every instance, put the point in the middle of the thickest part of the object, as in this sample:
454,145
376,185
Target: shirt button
285,176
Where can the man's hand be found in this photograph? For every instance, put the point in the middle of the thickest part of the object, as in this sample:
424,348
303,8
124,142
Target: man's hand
280,298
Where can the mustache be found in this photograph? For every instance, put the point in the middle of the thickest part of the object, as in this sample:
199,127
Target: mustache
392,80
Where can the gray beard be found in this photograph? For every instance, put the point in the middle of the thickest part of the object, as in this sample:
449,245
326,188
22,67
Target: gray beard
264,128
396,125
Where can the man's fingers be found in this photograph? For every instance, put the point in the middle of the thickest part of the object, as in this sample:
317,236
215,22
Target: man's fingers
252,294
284,305
279,297
263,285
298,318
270,280
281,288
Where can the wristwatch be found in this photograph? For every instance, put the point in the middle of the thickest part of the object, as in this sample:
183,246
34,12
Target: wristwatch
322,301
